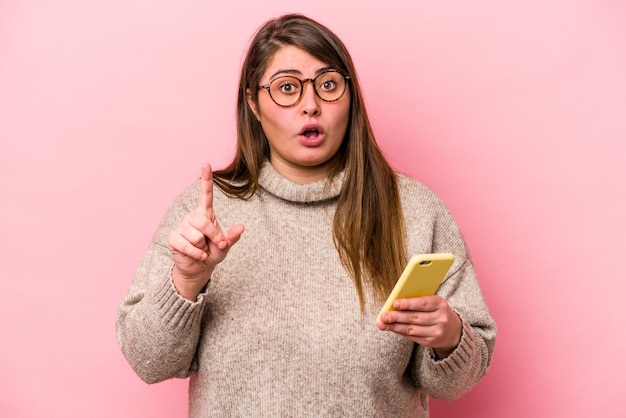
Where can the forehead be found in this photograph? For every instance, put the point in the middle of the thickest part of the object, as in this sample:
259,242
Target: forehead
293,60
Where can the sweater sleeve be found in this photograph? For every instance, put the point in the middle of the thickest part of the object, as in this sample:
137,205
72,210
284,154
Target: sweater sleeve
158,330
451,377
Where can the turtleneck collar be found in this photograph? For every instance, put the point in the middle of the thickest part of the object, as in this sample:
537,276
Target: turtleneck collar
274,183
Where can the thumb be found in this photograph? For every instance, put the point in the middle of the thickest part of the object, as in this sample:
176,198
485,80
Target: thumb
234,233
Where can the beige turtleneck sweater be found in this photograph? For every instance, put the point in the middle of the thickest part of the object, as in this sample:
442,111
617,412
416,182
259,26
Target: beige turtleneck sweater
278,331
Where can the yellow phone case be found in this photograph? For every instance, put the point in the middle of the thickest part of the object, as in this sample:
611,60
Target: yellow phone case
421,277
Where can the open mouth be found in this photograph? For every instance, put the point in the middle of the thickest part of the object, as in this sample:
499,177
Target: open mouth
311,133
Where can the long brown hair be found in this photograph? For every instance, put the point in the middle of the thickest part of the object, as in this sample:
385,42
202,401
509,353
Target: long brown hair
368,227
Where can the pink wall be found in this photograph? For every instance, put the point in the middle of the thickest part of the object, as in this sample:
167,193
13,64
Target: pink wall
514,112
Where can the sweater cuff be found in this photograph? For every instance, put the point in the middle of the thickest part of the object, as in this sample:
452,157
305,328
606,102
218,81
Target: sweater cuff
457,361
175,311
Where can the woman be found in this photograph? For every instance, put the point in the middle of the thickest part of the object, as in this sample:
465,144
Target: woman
281,320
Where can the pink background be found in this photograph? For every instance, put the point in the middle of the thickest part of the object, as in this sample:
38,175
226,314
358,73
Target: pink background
514,112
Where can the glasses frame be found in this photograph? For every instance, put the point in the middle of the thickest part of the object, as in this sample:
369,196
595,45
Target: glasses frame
266,87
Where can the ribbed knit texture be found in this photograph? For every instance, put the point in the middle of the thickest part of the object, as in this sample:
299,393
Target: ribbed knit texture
278,331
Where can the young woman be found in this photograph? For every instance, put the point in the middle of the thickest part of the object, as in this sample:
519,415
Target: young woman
281,320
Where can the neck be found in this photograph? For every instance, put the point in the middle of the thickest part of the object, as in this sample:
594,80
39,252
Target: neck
301,175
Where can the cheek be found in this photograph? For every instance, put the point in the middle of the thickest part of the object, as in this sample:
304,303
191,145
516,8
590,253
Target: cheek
345,109
344,117
275,121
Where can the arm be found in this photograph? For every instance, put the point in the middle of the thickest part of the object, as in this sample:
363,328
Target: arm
159,321
451,376
454,332
157,329
454,335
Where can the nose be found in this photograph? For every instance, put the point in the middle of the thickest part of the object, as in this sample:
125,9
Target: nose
309,102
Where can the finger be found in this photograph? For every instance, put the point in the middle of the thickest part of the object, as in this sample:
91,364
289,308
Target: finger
193,235
426,335
229,238
422,334
234,233
178,243
209,229
404,329
205,198
419,304
215,235
410,317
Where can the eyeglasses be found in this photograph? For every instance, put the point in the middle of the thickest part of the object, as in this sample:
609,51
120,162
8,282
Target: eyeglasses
287,90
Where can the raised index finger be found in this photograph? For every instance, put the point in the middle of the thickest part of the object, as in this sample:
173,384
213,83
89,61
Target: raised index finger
205,198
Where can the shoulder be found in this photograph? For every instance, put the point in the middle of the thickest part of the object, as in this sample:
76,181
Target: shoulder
428,221
409,184
416,196
187,199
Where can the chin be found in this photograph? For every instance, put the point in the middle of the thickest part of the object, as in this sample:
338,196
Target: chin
313,161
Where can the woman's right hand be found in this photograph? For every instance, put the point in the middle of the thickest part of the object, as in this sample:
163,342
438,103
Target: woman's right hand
198,244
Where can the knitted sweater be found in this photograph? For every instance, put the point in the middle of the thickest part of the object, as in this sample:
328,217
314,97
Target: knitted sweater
278,330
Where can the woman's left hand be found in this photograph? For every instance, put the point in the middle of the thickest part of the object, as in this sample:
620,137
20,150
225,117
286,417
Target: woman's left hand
428,321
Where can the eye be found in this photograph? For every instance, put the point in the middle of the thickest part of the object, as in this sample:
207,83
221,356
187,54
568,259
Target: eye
328,82
328,85
287,86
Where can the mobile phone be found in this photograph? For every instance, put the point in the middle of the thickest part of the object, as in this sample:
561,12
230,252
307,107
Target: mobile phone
421,277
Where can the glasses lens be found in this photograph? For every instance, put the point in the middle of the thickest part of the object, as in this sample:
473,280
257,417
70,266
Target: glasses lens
285,90
330,85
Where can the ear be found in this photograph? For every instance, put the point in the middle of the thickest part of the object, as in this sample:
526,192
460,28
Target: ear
252,105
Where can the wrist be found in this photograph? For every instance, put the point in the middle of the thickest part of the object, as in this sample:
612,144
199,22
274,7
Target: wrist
441,353
445,351
188,287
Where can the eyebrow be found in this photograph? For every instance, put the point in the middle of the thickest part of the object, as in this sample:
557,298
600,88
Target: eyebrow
297,72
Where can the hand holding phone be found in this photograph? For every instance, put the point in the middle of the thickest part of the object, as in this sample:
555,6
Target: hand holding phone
421,277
